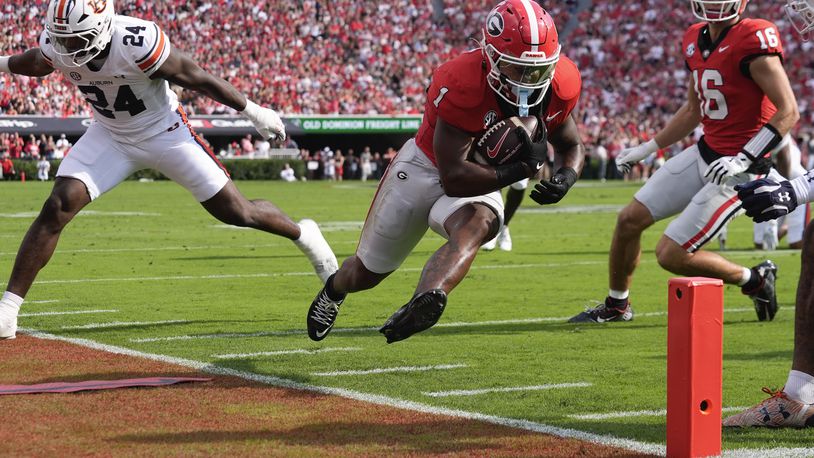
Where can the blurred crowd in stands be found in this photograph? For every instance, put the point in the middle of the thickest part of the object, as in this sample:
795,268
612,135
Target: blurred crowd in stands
352,57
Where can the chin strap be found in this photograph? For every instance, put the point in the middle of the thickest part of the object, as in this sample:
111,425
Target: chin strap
523,101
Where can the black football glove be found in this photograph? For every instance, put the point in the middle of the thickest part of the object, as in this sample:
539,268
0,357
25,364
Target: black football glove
552,191
766,199
533,154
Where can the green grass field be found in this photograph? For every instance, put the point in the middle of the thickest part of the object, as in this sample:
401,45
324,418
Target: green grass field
148,253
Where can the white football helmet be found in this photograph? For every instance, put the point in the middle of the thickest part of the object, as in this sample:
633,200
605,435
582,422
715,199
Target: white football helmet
79,29
801,15
718,10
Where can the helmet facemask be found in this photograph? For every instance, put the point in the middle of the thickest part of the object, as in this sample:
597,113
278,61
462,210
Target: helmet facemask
517,78
717,10
79,32
801,16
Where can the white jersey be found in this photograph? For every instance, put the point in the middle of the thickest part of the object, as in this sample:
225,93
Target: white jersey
125,100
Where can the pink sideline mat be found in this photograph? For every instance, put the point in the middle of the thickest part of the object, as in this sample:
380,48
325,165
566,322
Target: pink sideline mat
72,387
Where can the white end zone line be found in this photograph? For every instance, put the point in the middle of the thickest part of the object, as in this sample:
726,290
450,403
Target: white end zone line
299,351
120,324
74,312
628,444
454,324
50,301
441,394
611,441
390,370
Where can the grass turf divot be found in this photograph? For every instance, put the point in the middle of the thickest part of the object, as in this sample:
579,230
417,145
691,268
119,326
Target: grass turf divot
227,416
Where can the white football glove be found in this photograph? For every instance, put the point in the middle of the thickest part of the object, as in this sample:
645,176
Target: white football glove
631,156
265,120
726,167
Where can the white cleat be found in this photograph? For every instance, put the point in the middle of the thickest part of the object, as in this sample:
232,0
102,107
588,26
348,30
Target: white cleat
8,320
504,239
490,245
316,248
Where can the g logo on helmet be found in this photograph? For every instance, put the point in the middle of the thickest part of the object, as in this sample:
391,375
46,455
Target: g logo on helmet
494,24
97,5
690,49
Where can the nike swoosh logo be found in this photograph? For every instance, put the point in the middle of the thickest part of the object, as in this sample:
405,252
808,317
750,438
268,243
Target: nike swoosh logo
320,334
551,118
492,153
724,48
540,165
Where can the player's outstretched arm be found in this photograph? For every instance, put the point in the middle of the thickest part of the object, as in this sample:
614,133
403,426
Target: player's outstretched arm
29,63
569,149
180,69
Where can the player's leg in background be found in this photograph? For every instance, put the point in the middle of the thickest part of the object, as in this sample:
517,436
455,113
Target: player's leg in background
67,198
230,206
666,193
802,387
679,250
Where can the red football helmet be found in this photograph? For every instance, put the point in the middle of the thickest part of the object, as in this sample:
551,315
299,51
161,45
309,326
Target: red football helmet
521,46
718,10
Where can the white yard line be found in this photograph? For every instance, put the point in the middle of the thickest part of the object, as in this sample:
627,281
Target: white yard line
441,394
390,370
454,324
636,413
299,351
121,324
50,301
74,312
611,441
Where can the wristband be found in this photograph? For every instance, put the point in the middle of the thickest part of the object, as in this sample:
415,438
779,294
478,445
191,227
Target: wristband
510,173
802,187
569,174
251,108
766,139
651,147
4,64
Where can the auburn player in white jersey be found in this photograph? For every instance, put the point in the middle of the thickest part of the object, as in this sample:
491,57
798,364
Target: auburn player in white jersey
123,65
793,405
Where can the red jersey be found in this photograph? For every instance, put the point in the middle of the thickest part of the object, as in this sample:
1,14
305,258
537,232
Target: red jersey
460,95
733,107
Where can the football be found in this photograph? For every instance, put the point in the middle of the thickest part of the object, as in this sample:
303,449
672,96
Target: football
500,145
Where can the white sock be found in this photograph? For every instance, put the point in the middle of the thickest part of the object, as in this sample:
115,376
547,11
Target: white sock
747,275
620,295
12,299
800,387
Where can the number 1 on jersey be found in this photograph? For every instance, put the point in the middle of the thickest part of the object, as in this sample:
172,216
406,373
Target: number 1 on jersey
440,97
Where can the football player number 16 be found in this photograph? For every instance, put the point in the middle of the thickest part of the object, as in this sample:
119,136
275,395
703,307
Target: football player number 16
713,102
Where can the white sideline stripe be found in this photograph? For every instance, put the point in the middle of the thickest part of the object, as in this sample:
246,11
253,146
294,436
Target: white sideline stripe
454,324
441,394
611,441
149,249
75,312
637,413
299,351
389,370
82,213
117,324
51,301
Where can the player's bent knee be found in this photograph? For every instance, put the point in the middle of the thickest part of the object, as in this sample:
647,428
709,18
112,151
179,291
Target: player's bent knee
55,213
670,255
634,218
473,224
353,276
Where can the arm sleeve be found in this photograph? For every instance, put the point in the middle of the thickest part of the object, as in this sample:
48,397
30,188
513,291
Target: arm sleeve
152,51
761,39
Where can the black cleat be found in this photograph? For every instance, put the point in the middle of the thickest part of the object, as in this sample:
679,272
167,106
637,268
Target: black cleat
322,314
604,313
421,313
765,296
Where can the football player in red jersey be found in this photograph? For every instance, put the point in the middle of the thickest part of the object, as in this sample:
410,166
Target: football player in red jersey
765,199
739,91
518,69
